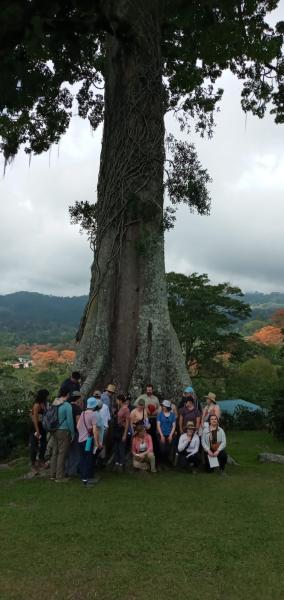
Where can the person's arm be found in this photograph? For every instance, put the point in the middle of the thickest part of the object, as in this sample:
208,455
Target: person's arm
183,442
204,441
194,445
35,419
159,430
180,422
126,427
204,415
96,435
132,421
137,455
172,430
222,444
198,421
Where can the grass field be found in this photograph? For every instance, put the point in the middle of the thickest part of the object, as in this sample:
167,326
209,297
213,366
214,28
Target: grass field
136,537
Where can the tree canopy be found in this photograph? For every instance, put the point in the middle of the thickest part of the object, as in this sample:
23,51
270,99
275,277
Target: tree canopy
47,47
204,315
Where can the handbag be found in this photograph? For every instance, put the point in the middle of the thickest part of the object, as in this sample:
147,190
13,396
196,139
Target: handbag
90,438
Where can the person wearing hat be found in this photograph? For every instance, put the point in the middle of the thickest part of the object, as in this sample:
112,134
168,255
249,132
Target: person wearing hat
211,408
142,450
139,414
166,426
89,439
214,443
188,447
188,392
73,458
189,412
107,397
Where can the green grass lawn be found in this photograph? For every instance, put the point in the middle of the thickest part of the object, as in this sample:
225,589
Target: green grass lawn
136,537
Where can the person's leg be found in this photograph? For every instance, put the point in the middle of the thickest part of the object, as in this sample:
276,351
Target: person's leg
121,452
83,462
53,460
42,445
33,448
73,459
193,462
141,465
162,450
116,452
152,461
63,441
207,465
222,457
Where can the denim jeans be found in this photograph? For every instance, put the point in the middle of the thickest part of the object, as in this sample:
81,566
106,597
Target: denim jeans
119,452
86,462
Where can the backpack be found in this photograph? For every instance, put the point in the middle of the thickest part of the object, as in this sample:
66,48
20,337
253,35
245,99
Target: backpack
50,420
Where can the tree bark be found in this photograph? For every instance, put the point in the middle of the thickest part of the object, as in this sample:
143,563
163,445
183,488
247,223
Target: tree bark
127,337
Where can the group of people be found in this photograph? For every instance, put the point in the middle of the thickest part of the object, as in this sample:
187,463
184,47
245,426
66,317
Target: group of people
74,439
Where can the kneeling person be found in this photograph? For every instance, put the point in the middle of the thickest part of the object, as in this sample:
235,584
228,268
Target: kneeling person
188,447
214,444
142,450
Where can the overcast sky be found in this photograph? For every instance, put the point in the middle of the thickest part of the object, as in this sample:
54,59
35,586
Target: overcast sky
242,241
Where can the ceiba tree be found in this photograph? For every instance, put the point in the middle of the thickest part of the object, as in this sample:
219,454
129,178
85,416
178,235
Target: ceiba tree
150,56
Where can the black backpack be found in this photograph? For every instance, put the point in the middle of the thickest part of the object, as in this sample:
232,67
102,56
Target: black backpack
50,421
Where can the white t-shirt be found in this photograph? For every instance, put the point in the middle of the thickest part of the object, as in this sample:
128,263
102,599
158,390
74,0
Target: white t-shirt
105,415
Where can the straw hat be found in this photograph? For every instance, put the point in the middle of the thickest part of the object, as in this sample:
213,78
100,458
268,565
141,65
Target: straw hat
111,388
211,397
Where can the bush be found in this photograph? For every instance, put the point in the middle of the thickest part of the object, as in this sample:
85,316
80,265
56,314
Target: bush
277,417
14,425
244,419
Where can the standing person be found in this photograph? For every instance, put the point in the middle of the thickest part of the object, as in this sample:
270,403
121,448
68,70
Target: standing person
108,397
38,433
89,440
166,426
72,383
62,436
73,458
211,408
142,450
138,415
189,412
120,431
188,448
189,392
153,408
214,444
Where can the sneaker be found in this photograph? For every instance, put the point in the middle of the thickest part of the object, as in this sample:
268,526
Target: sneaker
94,480
52,478
62,480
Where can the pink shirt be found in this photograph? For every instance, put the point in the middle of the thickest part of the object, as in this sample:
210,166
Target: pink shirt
85,424
137,441
123,415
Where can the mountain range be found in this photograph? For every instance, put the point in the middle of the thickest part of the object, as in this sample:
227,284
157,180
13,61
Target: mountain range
30,317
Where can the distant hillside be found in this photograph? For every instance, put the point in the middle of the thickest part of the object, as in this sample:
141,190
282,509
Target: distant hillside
264,305
29,317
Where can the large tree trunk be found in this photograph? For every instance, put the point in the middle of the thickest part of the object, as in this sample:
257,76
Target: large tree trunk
127,337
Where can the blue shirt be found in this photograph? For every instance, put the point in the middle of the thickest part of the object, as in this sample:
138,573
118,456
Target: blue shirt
166,423
65,417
